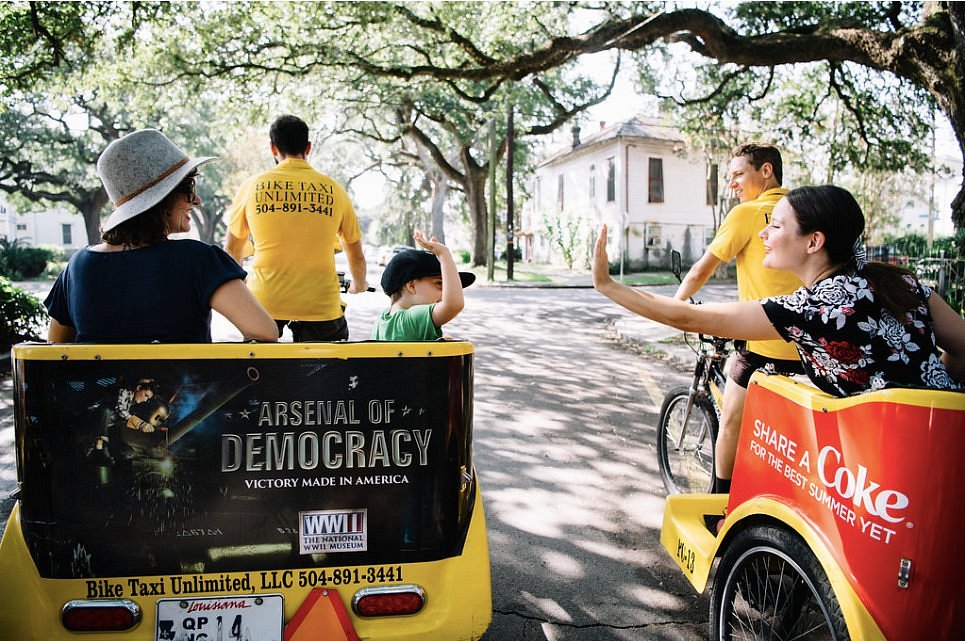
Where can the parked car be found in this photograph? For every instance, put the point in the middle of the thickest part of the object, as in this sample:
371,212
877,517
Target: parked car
387,253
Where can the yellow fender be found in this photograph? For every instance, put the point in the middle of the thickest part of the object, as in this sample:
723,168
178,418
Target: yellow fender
692,546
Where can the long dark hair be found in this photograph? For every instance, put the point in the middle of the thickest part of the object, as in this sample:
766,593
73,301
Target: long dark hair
150,226
834,212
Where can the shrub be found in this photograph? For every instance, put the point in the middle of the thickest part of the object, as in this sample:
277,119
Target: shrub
20,262
22,316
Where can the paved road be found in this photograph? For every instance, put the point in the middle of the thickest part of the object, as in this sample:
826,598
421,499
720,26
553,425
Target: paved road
564,445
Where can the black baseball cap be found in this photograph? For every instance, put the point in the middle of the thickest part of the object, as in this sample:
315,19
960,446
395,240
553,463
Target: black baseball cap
411,264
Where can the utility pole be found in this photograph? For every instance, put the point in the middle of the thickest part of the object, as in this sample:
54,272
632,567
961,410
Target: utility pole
491,240
510,224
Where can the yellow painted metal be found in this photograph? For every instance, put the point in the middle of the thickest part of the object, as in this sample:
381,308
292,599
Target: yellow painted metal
458,604
374,349
685,536
806,395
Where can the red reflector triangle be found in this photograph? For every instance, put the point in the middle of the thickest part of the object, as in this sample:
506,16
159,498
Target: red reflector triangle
321,616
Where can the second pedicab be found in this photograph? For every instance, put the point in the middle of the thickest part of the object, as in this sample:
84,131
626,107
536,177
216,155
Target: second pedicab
844,519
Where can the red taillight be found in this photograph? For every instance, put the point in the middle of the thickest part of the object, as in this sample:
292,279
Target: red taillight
389,601
104,615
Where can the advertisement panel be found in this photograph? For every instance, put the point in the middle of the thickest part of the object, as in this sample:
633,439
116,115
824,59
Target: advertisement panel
182,467
881,484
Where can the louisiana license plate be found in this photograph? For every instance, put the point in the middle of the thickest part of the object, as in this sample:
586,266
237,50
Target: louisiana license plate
231,618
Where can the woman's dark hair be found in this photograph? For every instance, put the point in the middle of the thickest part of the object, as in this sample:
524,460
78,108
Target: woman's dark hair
834,212
150,226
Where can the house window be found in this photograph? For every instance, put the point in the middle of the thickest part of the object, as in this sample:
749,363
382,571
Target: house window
592,182
611,180
655,190
712,185
559,192
653,235
537,194
67,236
21,227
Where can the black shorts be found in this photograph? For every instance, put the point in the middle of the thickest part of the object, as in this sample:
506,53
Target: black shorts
746,363
307,331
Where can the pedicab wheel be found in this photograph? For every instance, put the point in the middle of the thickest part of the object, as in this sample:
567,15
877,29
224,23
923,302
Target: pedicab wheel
690,468
769,585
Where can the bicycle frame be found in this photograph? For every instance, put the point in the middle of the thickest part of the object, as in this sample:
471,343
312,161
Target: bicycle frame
708,375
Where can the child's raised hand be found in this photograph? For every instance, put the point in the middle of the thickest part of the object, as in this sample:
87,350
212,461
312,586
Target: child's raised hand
430,244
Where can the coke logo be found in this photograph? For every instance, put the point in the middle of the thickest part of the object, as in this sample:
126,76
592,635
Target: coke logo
857,487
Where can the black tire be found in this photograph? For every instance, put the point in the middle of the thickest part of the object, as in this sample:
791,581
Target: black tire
690,469
769,585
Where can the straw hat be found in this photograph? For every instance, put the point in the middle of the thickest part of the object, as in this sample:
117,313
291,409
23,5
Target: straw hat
139,170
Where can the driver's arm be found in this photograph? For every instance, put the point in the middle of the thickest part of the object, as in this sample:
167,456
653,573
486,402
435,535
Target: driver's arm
356,265
699,273
235,247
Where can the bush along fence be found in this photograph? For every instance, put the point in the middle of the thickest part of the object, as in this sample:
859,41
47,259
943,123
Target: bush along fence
23,262
22,318
942,272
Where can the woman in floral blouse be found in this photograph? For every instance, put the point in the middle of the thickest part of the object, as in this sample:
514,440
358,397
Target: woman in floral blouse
857,326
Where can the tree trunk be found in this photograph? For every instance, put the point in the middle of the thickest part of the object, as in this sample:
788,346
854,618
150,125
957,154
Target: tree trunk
90,208
207,223
440,189
475,185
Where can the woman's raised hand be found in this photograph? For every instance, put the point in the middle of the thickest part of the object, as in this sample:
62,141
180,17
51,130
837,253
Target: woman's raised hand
601,262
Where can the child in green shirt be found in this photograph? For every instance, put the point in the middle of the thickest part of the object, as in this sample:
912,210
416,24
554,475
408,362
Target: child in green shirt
425,290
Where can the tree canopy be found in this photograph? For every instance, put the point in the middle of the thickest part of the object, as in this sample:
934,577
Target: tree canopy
856,79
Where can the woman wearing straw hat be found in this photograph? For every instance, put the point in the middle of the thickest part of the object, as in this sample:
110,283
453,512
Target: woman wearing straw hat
137,286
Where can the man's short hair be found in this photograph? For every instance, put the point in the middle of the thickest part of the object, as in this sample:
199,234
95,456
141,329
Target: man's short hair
760,153
289,134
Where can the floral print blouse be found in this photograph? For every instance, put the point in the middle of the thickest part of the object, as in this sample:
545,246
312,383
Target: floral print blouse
849,343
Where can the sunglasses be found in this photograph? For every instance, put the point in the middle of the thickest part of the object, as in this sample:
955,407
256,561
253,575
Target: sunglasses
189,186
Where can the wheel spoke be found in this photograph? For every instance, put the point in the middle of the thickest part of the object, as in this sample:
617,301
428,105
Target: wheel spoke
767,598
689,467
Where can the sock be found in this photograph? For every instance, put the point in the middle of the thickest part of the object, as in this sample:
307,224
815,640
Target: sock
721,486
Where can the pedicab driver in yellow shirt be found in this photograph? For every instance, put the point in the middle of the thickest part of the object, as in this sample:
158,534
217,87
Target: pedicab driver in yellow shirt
295,218
756,174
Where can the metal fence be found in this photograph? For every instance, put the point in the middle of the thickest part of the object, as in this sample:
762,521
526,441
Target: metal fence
943,274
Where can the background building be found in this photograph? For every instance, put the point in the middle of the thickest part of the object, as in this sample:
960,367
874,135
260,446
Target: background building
52,228
636,177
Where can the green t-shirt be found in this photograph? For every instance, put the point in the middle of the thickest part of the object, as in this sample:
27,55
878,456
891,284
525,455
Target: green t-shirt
412,324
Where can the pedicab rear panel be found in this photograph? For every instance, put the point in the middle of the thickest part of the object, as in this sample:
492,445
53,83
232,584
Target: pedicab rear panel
249,470
878,479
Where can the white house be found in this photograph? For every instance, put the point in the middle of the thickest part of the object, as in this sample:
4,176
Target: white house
53,228
636,177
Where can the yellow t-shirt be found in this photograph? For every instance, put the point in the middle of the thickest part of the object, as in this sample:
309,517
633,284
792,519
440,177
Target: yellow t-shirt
738,237
295,217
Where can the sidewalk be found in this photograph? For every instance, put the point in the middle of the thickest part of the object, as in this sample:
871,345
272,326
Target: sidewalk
643,333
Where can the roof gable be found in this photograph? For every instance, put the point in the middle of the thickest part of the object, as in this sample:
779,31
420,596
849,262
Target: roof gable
634,129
